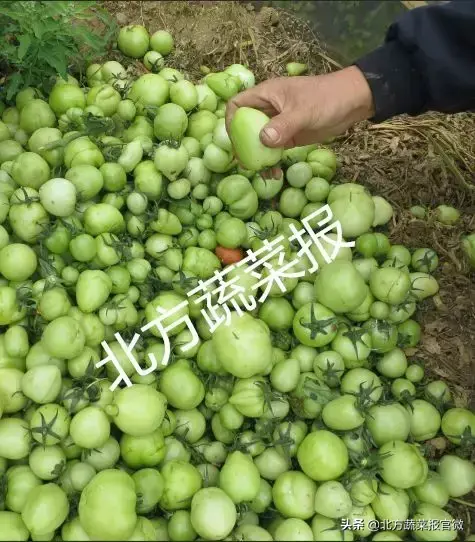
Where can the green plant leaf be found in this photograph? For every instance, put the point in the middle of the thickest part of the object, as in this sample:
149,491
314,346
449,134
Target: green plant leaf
25,42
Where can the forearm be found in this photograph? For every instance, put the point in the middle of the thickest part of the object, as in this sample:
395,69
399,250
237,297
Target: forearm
426,64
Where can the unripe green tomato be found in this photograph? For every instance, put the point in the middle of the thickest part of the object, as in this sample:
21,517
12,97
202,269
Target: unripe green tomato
162,42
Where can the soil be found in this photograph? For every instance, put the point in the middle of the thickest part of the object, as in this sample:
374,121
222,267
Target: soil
428,160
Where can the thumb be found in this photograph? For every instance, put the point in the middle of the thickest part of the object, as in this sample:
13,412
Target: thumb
280,130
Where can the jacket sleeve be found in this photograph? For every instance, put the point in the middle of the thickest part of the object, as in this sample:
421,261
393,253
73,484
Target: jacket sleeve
427,62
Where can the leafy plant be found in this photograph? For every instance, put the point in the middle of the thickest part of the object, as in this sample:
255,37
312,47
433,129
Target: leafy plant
41,40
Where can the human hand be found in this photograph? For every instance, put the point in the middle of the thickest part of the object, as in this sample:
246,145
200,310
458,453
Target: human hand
307,109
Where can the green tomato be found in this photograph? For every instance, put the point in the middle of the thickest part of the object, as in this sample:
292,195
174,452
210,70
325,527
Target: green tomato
293,529
149,90
129,408
36,114
390,285
90,428
267,188
355,213
340,287
434,490
149,484
64,338
332,500
427,512
322,456
9,150
293,494
42,384
107,506
17,262
458,475
182,388
162,42
243,347
30,169
45,461
403,466
456,422
388,422
46,508
15,439
391,504
317,189
292,202
245,129
170,122
65,96
341,414
239,477
213,513
171,161
425,420
133,40
314,325
58,197
181,481
231,233
277,313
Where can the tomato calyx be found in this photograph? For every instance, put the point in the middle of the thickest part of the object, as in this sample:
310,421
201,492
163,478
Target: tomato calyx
317,391
46,428
316,327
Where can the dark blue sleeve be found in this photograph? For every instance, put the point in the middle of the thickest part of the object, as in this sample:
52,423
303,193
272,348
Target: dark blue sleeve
427,62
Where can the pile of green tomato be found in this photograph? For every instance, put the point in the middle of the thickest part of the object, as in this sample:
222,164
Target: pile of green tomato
289,422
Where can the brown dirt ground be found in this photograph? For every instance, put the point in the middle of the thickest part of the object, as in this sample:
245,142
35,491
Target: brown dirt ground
429,160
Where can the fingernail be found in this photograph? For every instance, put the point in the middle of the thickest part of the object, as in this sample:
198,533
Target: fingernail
271,134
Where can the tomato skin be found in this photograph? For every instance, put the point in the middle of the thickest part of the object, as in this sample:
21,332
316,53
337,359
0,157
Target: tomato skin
239,477
405,467
294,494
133,40
322,456
455,421
244,347
99,520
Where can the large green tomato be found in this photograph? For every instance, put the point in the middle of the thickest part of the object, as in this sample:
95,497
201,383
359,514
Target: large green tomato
63,97
105,97
138,410
64,338
181,481
17,262
340,287
237,193
107,506
149,90
322,456
390,284
30,169
46,508
133,40
403,465
243,347
36,114
294,495
12,527
245,129
355,214
213,514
